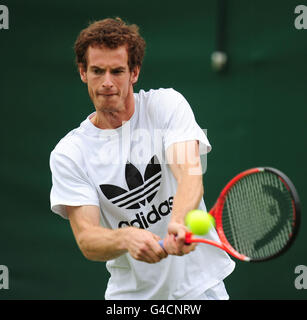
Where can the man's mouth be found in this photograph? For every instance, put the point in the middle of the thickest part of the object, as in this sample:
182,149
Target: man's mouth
107,94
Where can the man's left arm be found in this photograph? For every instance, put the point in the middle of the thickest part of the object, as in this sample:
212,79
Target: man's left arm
185,164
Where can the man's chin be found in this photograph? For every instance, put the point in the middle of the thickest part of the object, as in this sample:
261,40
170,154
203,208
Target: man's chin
107,108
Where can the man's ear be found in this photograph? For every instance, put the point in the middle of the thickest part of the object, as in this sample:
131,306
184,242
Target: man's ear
135,74
83,74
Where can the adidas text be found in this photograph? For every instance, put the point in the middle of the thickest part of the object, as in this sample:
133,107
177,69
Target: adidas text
143,221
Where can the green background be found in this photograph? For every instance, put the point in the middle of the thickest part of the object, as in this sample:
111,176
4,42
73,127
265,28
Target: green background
255,114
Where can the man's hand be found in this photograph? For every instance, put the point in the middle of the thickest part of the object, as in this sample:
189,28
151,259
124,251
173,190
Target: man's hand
174,243
143,245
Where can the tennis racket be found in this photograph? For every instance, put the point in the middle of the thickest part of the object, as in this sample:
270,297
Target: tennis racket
257,215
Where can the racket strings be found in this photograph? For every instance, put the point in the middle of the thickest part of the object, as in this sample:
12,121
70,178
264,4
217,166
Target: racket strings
258,215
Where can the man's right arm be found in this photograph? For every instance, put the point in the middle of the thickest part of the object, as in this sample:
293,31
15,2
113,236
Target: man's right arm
101,244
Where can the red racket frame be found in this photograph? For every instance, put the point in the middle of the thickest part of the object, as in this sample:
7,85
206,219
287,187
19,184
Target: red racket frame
217,211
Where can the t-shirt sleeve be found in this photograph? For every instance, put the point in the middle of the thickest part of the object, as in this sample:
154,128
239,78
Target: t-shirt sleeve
70,185
180,124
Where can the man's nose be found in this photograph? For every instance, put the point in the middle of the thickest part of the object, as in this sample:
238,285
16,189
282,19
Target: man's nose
107,81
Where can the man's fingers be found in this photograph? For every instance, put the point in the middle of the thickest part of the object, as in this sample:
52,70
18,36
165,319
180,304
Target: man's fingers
189,248
144,246
159,251
174,247
180,238
179,230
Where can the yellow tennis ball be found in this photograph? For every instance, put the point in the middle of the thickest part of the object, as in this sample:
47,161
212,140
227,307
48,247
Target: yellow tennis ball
199,222
212,220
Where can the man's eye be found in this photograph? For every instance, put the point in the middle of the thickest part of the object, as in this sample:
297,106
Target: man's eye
97,71
118,71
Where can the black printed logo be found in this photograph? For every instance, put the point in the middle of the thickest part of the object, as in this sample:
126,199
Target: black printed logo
140,189
143,220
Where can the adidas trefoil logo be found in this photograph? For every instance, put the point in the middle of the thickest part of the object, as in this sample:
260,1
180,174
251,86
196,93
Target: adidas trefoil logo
140,189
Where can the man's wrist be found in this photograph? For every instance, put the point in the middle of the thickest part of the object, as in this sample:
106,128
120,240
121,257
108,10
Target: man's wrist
124,235
177,219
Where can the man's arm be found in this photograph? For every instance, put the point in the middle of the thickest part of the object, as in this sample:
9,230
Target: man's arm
185,164
102,244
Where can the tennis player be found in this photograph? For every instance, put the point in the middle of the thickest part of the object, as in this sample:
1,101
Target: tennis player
126,177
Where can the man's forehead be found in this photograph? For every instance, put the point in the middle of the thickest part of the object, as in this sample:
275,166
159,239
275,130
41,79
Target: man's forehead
101,55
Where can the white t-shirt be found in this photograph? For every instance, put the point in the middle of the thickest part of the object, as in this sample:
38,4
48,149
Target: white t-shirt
124,172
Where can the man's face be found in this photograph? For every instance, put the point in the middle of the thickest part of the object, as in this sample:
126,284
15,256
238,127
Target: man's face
108,78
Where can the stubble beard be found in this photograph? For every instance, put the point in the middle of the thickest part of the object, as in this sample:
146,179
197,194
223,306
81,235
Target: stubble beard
104,106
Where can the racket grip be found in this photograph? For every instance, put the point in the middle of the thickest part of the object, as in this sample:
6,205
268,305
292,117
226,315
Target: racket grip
161,243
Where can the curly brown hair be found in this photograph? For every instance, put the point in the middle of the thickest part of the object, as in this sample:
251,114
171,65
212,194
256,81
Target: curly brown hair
111,33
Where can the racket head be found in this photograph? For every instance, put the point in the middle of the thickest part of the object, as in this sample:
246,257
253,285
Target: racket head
258,214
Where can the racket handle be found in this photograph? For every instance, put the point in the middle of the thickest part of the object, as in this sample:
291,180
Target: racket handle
161,243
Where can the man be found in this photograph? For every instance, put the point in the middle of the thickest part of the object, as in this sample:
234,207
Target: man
129,174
